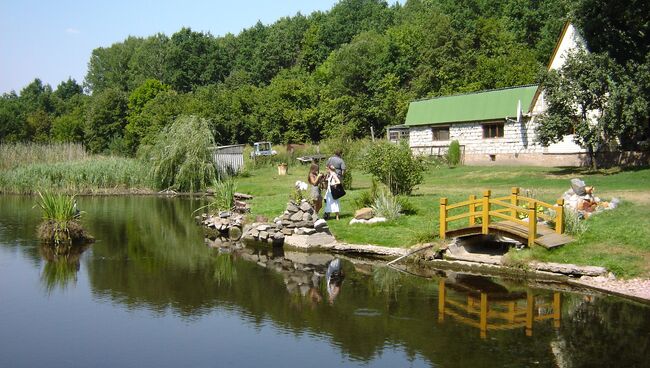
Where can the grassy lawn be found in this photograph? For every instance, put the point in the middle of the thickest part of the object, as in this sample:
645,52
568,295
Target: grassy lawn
618,239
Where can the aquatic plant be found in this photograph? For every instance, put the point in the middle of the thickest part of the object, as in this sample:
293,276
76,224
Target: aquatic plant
97,173
14,155
224,196
60,215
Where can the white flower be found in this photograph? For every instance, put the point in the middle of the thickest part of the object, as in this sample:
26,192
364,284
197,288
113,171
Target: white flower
301,185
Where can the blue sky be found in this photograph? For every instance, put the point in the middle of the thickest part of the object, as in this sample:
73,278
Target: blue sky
52,40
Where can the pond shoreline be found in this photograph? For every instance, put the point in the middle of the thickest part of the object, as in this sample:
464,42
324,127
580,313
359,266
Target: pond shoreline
634,289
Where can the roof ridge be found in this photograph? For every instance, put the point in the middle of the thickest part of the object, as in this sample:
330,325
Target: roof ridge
476,92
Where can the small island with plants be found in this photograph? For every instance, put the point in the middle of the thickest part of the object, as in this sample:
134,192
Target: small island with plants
61,226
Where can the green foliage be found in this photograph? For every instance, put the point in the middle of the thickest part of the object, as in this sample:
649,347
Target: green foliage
57,207
224,196
105,120
331,75
59,213
597,100
386,205
181,158
395,166
14,155
408,208
91,175
367,197
574,224
453,155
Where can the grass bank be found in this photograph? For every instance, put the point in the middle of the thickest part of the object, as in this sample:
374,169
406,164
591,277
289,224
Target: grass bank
618,239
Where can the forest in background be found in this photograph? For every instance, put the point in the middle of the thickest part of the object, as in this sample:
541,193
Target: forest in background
306,77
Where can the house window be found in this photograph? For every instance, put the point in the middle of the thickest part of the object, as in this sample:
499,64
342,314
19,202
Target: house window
440,134
397,135
494,130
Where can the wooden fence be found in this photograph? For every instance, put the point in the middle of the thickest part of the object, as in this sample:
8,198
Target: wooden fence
506,208
228,160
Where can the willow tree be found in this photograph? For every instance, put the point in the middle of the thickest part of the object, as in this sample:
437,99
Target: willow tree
181,158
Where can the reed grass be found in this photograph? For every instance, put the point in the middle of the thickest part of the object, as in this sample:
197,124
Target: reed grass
13,155
90,175
56,206
60,215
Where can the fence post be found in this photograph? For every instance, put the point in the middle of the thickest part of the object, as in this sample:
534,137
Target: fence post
443,218
472,209
532,222
514,192
486,212
559,216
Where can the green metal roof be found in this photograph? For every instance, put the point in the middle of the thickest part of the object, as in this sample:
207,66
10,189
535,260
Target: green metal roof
477,106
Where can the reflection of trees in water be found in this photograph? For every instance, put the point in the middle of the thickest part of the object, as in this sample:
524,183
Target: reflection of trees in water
151,255
61,266
603,332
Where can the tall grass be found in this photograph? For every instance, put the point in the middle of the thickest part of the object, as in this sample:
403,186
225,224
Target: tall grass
13,155
60,216
224,197
90,175
57,207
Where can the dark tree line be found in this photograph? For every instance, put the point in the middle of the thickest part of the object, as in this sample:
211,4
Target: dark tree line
299,79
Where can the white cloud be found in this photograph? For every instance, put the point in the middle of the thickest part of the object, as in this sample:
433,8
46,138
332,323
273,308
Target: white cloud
71,31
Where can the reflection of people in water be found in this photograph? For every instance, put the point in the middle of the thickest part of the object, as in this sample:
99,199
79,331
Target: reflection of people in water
334,277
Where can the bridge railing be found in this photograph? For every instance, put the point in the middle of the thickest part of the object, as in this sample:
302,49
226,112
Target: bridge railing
513,207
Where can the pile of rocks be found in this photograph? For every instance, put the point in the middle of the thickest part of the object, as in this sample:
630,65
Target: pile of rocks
297,219
580,198
263,232
225,224
300,219
366,216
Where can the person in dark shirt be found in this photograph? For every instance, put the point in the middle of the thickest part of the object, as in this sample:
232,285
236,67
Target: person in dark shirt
338,163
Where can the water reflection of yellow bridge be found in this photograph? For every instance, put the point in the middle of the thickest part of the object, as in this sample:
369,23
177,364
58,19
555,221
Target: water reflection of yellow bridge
489,311
514,220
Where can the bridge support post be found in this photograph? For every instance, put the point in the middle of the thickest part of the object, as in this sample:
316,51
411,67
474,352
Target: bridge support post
532,222
514,192
557,311
441,300
472,209
485,218
443,218
559,216
483,317
530,313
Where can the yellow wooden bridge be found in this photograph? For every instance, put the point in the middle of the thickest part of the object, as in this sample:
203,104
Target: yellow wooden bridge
512,215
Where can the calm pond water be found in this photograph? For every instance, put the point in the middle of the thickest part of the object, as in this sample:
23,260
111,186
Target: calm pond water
151,293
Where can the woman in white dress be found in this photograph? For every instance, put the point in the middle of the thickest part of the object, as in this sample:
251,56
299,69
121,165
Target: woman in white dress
331,204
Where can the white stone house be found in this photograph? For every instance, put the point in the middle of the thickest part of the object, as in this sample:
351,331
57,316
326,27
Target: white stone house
496,125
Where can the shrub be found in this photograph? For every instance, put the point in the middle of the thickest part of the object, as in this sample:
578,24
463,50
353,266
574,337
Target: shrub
386,205
395,166
181,158
453,155
407,206
367,197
